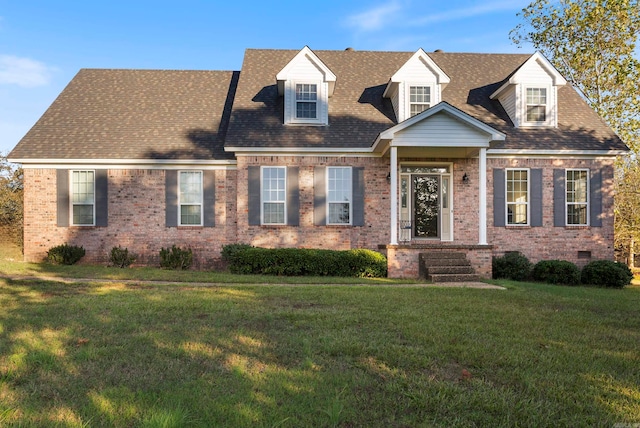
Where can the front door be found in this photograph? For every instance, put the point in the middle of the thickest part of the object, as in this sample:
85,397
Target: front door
425,203
426,206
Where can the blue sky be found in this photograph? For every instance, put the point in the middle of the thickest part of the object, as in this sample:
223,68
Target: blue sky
44,43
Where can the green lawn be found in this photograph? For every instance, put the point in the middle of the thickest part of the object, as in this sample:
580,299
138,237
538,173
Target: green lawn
113,354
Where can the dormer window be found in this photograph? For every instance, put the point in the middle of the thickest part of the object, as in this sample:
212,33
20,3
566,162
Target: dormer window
306,84
306,101
419,99
536,105
530,95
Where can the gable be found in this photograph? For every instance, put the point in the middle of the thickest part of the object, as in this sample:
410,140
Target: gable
442,129
419,73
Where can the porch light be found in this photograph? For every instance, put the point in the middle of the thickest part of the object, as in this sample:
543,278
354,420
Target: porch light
465,178
389,178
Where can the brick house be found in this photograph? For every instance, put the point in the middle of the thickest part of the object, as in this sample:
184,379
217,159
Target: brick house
400,152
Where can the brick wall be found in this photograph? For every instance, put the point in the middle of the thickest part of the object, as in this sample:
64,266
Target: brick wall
307,235
549,242
136,219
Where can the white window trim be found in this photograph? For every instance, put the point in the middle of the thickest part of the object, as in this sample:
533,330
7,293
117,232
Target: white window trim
201,202
328,202
407,96
71,204
262,201
431,102
551,99
320,96
506,198
566,202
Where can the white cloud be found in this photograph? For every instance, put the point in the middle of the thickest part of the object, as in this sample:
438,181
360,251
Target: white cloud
373,19
466,12
23,72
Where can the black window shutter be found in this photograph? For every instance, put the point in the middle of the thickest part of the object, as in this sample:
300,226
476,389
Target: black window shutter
358,196
536,197
102,197
499,197
209,198
559,198
595,195
293,197
62,190
254,195
171,198
319,196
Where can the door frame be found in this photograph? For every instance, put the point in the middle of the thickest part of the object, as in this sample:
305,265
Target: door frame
405,208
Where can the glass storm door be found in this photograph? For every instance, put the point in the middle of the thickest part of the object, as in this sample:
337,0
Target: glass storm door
426,206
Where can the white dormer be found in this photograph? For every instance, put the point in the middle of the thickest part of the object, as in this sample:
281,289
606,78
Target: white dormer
530,95
306,84
416,86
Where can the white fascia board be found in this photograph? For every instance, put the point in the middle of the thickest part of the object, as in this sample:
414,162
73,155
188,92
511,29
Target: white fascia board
301,151
125,163
497,153
306,52
448,109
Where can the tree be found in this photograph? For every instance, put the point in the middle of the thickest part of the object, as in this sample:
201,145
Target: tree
627,213
593,44
11,197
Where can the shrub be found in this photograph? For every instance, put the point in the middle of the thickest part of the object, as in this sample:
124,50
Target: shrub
121,257
65,254
556,272
513,265
229,251
176,258
245,259
605,273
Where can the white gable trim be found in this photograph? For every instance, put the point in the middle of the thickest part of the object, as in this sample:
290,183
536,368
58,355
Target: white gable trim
420,55
306,54
443,107
517,78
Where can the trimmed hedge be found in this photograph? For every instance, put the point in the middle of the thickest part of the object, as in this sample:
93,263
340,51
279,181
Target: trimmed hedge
605,273
556,272
65,254
244,259
513,265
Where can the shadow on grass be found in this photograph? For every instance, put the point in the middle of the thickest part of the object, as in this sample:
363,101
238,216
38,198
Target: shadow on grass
121,355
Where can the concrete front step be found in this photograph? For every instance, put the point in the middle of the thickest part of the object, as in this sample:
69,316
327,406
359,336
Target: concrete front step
453,277
446,267
445,262
433,270
443,255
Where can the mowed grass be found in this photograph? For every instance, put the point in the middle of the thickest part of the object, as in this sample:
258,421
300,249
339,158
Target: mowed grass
114,354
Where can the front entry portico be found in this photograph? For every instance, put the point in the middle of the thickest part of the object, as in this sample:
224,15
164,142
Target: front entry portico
424,204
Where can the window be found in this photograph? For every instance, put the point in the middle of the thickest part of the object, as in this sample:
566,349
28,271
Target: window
190,198
536,104
273,194
82,198
517,196
419,99
306,101
339,195
577,196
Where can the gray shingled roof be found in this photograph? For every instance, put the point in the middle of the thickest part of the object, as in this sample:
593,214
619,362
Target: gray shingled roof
156,114
134,114
357,111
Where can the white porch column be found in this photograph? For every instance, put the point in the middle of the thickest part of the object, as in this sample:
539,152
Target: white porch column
394,195
482,192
